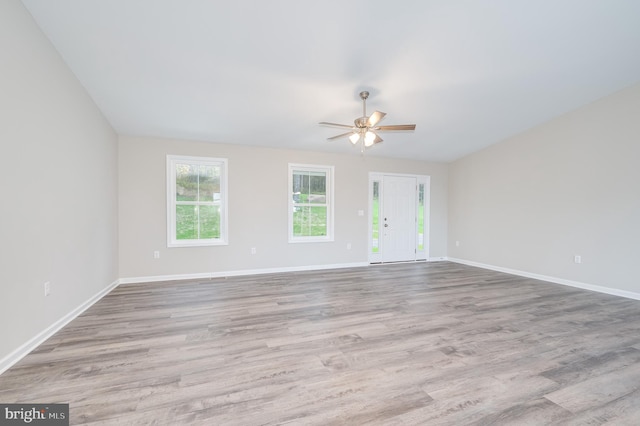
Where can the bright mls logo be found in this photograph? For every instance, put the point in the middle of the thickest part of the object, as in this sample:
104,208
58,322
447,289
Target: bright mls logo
34,414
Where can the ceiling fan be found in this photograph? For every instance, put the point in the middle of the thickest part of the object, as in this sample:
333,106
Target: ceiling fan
365,127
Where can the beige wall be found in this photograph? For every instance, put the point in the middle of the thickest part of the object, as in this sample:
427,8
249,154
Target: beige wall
58,214
568,187
257,209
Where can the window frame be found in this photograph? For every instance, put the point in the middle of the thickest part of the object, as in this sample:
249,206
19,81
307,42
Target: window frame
329,173
172,161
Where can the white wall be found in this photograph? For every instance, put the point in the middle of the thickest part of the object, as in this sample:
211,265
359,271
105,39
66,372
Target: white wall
568,187
257,209
58,214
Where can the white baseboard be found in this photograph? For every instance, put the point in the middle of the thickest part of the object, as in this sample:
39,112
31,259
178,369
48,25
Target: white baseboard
210,275
570,283
22,351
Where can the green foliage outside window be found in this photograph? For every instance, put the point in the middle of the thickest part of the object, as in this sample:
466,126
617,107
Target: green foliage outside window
197,202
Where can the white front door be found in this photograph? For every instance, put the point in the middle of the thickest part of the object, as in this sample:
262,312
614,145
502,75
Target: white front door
398,218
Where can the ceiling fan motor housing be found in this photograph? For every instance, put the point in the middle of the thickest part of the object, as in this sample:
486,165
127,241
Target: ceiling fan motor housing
361,122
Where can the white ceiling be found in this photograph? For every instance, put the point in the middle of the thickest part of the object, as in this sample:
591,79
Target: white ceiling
469,73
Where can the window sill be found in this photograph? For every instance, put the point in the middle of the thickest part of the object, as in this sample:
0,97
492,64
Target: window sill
197,244
310,240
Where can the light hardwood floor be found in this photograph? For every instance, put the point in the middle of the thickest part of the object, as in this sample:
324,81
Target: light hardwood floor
425,343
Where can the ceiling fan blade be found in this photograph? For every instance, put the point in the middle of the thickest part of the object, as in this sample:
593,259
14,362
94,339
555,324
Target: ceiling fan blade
396,127
375,118
378,139
346,126
340,136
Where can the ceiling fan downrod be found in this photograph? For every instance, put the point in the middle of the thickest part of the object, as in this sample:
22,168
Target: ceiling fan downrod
364,95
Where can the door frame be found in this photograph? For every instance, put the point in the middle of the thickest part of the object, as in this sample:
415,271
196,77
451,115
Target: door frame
421,254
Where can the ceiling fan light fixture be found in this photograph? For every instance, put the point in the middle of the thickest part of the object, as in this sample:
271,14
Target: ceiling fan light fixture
364,128
369,138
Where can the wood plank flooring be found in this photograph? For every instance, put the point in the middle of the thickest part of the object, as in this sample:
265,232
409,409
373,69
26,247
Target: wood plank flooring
404,344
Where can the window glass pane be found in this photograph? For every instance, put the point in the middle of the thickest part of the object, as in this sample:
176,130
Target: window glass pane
300,181
421,217
186,222
186,182
375,214
309,221
300,221
318,221
309,187
317,188
209,221
209,183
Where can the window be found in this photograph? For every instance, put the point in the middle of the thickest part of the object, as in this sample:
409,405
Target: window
420,217
375,217
196,201
310,203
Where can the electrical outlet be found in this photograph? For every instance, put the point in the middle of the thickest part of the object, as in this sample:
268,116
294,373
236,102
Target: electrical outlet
348,246
577,259
156,254
47,288
457,243
253,250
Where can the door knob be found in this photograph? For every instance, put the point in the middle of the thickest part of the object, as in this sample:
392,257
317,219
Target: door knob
386,225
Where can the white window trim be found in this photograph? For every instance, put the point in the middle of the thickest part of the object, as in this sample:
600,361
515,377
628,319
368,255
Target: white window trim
329,170
172,160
